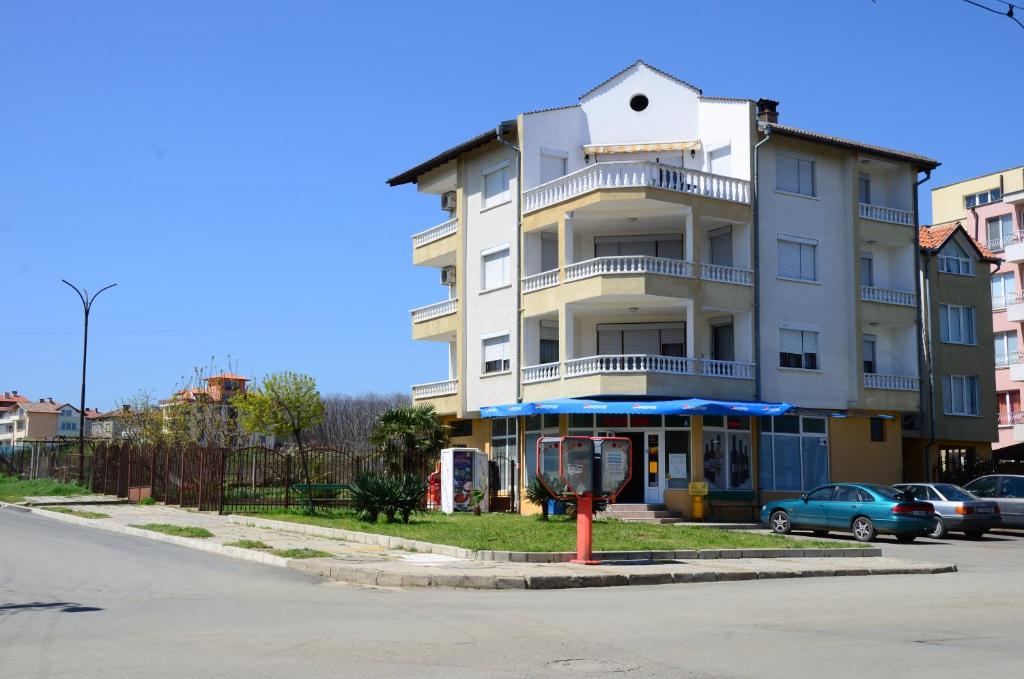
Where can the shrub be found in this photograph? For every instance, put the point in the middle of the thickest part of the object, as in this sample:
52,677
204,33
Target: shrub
147,501
376,494
538,494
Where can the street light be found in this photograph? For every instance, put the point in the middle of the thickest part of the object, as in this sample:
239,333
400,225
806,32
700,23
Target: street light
87,301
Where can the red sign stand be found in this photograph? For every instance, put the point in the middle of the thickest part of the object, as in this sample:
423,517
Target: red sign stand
585,532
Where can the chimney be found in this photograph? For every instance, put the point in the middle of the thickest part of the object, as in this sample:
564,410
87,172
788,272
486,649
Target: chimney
14,391
50,399
768,110
42,400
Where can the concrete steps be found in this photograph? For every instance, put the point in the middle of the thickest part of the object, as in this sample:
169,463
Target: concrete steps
641,513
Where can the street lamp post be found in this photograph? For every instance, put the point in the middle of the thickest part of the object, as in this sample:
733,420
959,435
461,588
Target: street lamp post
87,301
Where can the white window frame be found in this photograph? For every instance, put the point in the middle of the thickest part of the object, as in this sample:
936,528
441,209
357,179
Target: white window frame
953,383
1004,236
804,341
1003,338
798,158
999,296
802,243
954,263
507,368
501,198
946,312
982,197
507,269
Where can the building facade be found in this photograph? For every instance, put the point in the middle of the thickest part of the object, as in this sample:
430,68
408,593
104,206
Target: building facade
41,420
990,210
652,244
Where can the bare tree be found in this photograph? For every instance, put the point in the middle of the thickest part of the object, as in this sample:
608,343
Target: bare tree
350,418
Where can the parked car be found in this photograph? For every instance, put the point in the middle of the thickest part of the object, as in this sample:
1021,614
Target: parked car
1007,490
864,509
956,509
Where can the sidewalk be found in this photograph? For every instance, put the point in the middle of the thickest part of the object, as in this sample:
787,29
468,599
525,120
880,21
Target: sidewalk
364,563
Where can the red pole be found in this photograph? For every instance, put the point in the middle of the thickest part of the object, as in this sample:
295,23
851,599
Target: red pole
584,531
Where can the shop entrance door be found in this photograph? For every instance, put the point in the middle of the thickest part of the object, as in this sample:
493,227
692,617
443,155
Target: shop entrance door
634,490
654,475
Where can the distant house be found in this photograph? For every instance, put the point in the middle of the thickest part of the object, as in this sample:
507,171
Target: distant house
41,420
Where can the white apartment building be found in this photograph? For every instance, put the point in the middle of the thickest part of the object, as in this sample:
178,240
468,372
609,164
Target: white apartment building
605,264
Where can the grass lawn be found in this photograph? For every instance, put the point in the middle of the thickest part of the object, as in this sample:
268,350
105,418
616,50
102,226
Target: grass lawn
515,533
300,553
171,529
248,544
75,512
13,489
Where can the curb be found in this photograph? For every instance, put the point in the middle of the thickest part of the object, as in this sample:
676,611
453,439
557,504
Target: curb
391,542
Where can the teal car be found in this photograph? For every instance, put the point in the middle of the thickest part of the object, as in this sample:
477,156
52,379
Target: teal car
864,509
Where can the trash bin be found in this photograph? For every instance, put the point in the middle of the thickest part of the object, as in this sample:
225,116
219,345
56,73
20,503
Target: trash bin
556,507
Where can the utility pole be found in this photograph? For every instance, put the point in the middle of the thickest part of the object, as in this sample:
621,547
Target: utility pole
87,301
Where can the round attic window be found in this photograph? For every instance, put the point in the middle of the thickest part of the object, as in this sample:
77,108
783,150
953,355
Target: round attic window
638,102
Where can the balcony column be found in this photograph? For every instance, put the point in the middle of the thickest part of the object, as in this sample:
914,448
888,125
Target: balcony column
453,360
565,242
566,333
531,341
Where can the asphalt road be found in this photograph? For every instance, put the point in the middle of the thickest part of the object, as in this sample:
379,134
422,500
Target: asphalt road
84,603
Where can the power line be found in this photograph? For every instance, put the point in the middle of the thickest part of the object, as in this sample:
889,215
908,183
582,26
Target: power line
270,326
1008,13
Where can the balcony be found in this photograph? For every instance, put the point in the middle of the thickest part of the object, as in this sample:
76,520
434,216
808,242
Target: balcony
1014,304
886,296
435,321
726,274
892,382
889,215
630,363
545,279
1011,244
629,264
435,246
545,372
1015,362
635,174
442,395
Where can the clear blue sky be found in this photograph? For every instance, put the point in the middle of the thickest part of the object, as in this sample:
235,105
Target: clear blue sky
224,162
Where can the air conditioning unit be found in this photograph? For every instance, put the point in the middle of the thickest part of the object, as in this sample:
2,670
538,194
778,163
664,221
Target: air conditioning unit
448,275
448,201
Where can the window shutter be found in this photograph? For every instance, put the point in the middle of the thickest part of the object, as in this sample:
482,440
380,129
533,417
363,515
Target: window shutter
790,342
641,342
638,247
551,167
495,269
604,248
549,254
671,248
548,332
947,393
673,336
495,349
787,174
808,269
609,342
789,259
810,342
807,177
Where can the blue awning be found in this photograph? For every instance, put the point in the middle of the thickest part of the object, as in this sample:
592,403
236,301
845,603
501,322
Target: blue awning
685,406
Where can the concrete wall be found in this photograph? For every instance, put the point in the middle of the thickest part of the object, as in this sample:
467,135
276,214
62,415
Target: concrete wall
854,457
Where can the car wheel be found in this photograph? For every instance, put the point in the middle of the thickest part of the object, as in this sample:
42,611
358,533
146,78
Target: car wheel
863,529
940,531
820,533
905,538
975,534
779,522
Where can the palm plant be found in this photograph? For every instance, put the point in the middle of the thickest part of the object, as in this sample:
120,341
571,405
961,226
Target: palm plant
538,494
411,437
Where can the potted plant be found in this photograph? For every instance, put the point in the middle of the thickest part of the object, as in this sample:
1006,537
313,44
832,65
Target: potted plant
475,499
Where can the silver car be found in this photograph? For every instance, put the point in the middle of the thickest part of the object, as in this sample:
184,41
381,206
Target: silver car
1007,490
956,509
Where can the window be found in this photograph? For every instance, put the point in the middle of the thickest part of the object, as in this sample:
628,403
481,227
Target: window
638,102
956,324
647,339
864,187
548,342
797,259
798,349
960,395
982,198
867,269
1006,348
727,452
822,494
552,164
794,174
793,452
461,428
954,259
1009,408
495,269
983,487
720,246
496,354
1000,231
496,190
669,246
1003,287
877,429
868,347
504,453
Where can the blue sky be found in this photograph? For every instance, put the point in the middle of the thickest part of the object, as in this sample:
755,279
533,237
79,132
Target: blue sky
224,162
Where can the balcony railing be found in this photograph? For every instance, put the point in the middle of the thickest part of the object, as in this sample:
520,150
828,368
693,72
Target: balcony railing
635,174
732,369
870,294
628,264
629,363
999,243
431,311
726,274
539,281
544,372
435,233
435,389
886,214
1003,301
1010,419
891,382
1009,358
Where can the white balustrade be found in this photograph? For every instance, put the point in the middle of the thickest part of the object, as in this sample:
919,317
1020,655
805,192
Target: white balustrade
435,389
627,174
1000,243
435,233
726,274
629,363
1003,301
628,264
545,372
870,294
539,281
733,369
431,311
886,214
891,382
1012,358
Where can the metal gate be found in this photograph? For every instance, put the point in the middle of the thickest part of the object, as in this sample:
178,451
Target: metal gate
254,479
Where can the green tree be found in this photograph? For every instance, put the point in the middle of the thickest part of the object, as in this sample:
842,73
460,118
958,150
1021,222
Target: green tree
411,437
285,404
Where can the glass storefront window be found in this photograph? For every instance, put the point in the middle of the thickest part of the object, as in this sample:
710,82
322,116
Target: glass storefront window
727,457
793,453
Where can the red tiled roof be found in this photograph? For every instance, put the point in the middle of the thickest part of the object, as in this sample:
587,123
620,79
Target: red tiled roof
935,236
227,376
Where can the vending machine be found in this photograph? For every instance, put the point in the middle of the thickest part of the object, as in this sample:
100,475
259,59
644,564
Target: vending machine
463,470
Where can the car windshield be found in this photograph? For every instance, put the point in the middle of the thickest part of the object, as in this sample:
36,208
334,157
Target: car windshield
953,493
889,493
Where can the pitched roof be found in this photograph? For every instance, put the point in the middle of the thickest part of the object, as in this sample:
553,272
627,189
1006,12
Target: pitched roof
45,407
13,398
227,376
821,138
639,62
932,238
412,174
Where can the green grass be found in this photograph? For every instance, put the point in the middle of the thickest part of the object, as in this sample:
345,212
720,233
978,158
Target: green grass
79,513
515,533
300,553
171,529
13,489
248,544
147,501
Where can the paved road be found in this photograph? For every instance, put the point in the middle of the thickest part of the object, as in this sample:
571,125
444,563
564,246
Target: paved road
85,603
